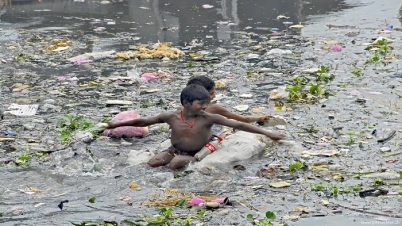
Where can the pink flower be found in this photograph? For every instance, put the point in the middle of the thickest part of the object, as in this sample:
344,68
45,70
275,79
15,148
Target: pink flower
61,78
98,29
196,201
149,76
80,61
336,48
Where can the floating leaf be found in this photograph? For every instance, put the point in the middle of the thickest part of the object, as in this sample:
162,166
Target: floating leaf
134,186
181,203
296,165
270,215
250,217
92,200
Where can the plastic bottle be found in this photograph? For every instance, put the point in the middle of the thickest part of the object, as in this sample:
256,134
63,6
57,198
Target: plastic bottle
208,149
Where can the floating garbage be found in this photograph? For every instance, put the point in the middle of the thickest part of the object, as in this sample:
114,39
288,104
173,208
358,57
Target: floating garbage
297,26
336,48
278,52
126,131
327,153
22,110
281,17
241,107
163,49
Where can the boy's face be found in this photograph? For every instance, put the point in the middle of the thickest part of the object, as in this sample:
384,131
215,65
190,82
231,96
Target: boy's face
212,93
199,105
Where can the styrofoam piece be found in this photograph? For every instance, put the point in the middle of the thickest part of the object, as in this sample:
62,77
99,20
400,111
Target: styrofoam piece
118,102
276,120
22,110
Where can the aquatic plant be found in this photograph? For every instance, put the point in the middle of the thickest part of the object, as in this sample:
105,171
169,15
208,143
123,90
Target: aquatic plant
265,222
165,217
357,71
68,124
381,48
190,64
296,165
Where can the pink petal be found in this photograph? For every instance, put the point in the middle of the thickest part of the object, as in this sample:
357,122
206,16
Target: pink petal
61,78
336,48
80,61
196,201
220,200
207,6
149,76
100,29
74,79
386,31
387,209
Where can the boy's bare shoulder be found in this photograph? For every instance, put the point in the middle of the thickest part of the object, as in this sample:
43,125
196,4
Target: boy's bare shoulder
169,114
216,109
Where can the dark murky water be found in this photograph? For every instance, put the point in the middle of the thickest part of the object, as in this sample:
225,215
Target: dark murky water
179,22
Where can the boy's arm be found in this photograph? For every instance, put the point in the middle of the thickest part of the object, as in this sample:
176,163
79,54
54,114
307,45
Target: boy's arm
217,109
140,122
245,127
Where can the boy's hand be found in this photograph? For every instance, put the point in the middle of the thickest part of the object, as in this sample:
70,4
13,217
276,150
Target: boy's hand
264,118
276,136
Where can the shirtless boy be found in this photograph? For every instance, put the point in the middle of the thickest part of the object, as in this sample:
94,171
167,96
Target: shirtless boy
209,85
191,128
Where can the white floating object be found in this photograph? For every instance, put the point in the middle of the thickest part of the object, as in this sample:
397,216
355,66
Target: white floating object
287,23
22,110
241,107
118,102
297,26
311,70
246,95
280,17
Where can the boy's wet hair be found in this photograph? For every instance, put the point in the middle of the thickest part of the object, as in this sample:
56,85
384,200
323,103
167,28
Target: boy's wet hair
193,92
202,81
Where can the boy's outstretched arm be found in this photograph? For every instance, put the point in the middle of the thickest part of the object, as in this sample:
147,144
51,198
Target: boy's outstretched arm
140,122
246,127
217,109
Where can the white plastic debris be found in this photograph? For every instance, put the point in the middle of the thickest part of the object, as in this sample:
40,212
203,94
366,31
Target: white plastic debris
241,107
22,110
278,52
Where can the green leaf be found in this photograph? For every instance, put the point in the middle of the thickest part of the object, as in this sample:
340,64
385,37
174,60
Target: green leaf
181,203
250,217
92,200
296,165
130,223
270,215
76,224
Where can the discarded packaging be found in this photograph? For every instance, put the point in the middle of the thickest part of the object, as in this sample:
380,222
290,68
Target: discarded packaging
280,184
118,102
22,110
126,131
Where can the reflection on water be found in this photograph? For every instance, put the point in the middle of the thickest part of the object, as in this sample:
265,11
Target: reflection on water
178,21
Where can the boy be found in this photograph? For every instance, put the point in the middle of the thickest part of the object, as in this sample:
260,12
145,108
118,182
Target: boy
209,85
191,128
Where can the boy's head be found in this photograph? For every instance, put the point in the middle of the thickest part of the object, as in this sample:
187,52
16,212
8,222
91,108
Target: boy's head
193,92
206,82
